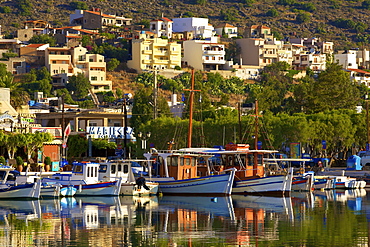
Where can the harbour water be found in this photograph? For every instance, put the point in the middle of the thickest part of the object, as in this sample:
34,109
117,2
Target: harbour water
319,218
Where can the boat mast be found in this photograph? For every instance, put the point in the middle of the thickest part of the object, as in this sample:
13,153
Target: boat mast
367,123
191,100
255,155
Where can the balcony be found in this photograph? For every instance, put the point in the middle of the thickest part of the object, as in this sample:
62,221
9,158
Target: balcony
211,52
214,61
147,52
158,61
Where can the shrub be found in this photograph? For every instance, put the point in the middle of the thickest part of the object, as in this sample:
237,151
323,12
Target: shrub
2,160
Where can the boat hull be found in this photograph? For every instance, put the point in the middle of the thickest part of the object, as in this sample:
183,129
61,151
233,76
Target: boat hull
58,191
99,189
271,185
25,191
131,189
210,185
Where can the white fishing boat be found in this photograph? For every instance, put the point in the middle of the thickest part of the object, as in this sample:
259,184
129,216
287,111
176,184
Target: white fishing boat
13,191
85,179
122,169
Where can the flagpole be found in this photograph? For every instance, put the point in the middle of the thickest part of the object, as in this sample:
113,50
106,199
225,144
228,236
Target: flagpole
63,127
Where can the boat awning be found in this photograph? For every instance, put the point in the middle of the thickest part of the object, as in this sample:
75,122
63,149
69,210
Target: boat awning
288,159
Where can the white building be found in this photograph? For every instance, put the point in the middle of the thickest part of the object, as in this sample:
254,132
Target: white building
348,59
162,27
226,29
200,27
203,55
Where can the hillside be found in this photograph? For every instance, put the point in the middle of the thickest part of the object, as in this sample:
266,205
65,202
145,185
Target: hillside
286,17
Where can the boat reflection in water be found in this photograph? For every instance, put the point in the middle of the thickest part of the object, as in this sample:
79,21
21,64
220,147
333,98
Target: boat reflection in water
235,220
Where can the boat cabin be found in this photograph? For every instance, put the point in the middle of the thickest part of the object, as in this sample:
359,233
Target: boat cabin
81,171
177,165
113,170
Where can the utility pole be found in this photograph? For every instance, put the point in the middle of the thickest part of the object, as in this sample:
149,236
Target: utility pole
63,129
155,94
125,153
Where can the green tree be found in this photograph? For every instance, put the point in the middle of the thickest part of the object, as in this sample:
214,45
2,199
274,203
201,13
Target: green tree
272,87
303,17
5,10
78,5
77,145
25,7
79,84
272,13
232,52
332,90
145,23
33,141
366,4
112,64
103,144
43,39
38,80
13,142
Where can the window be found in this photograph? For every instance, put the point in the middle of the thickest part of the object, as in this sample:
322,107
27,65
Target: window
106,87
93,124
62,71
77,168
91,60
94,78
125,168
54,62
113,169
80,58
55,71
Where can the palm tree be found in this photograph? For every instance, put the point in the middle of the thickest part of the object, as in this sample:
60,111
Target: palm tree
18,95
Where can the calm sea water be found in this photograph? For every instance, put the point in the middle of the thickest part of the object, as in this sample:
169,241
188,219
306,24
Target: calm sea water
333,218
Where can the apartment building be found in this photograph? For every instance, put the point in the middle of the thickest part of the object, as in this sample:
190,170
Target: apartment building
96,19
257,31
199,26
63,62
203,55
257,52
154,53
31,28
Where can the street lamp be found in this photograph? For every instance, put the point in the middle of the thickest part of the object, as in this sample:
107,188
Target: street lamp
144,138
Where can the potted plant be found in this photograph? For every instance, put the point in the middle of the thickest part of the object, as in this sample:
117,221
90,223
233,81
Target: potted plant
19,162
47,162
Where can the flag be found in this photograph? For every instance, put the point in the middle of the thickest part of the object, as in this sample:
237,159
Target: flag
67,131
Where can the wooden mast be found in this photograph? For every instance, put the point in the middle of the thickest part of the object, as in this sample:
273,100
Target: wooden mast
255,155
191,100
190,132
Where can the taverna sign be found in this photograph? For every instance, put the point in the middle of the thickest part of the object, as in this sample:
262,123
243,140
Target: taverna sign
110,132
